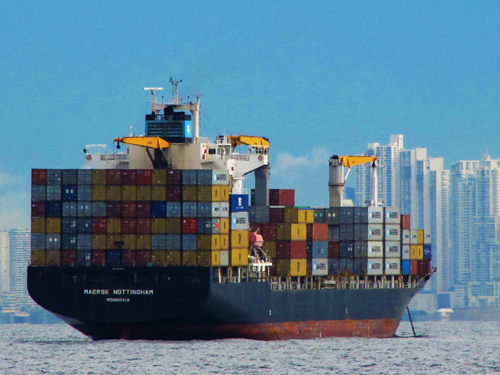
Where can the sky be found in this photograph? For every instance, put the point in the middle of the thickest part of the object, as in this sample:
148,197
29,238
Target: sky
316,77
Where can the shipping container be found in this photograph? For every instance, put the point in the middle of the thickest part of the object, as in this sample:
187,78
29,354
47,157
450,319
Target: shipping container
189,226
174,193
113,177
319,267
392,215
406,224
405,266
189,242
258,214
84,192
143,241
346,266
69,209
99,226
158,258
53,208
346,232
69,193
427,252
38,241
38,225
318,249
173,257
239,221
38,257
392,266
84,209
129,177
189,209
291,231
53,225
53,257
38,193
239,257
375,266
281,197
128,258
320,215
143,257
54,177
174,225
158,177
143,209
144,177
143,226
39,176
158,209
333,249
98,242
113,225
332,216
333,266
220,177
291,249
405,252
38,209
317,232
238,202
129,209
129,241
393,249
83,241
113,193
98,177
239,239
189,258
84,178
84,225
347,249
405,236
129,192
83,257
158,226
53,192
114,258
69,257
416,252
204,258
224,258
114,242
99,192
333,233
128,225
392,232
270,248
375,232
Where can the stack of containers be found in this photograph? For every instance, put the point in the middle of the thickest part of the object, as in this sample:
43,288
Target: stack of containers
416,249
240,226
128,217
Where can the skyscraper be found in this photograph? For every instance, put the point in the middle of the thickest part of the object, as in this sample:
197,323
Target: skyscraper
20,252
475,217
419,186
4,263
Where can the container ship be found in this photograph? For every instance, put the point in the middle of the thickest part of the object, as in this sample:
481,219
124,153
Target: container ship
164,242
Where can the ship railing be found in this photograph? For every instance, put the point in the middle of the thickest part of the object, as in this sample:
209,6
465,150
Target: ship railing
245,157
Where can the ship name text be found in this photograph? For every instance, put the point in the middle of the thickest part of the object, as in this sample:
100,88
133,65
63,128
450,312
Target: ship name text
130,292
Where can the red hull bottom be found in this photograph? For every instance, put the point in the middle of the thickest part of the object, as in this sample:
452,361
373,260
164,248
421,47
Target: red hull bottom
369,328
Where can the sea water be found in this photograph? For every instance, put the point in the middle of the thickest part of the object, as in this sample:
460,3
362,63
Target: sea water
445,348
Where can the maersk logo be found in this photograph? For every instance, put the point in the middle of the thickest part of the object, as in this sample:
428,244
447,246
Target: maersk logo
220,177
188,130
240,220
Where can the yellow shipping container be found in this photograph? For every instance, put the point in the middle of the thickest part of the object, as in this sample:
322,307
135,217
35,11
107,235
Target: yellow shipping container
215,258
158,193
53,257
143,242
159,177
189,258
158,257
98,177
217,242
189,193
38,225
204,258
204,241
216,193
224,193
239,257
99,192
38,257
113,193
420,236
113,241
224,225
99,242
298,267
143,192
174,225
129,193
53,225
416,252
306,216
113,225
158,226
291,231
224,241
129,241
270,248
173,257
239,238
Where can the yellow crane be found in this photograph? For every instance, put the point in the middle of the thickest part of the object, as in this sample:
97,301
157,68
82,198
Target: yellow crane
159,159
237,140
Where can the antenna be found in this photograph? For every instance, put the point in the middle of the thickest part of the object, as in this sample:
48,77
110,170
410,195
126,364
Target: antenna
175,94
152,89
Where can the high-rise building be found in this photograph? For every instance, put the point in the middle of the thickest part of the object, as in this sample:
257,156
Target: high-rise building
475,217
4,263
419,186
20,252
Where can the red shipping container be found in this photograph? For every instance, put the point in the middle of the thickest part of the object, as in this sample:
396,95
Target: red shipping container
129,209
98,257
143,209
413,267
144,177
333,250
129,226
143,226
282,197
276,215
142,257
99,226
255,226
38,209
128,257
269,231
317,232
423,267
69,257
174,177
113,176
129,176
405,222
291,249
113,209
189,226
174,193
39,177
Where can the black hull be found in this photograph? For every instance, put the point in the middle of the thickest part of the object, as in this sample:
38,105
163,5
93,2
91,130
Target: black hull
183,303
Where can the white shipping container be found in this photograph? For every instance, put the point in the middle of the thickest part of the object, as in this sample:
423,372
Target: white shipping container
224,257
376,215
393,249
392,266
216,209
392,215
239,221
427,238
320,266
413,237
375,266
375,232
375,249
220,177
405,252
392,232
224,209
405,236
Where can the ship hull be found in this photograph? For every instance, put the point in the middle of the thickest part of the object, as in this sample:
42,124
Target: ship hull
185,303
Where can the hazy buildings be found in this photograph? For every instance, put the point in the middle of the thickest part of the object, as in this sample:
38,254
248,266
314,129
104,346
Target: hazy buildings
419,186
20,252
4,263
475,217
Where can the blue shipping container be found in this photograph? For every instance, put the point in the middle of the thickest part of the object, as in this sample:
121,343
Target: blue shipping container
158,209
69,193
113,257
53,209
405,267
238,202
427,252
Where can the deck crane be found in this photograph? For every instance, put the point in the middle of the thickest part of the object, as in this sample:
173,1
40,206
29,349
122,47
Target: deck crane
337,179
